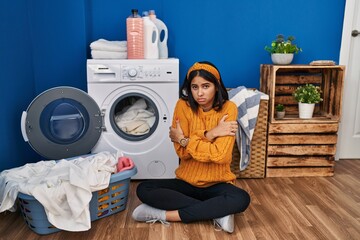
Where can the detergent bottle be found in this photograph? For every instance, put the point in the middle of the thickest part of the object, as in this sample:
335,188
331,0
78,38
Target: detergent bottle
163,34
151,38
135,35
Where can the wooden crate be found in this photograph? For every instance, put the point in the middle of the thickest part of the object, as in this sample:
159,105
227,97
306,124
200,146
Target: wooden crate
302,147
279,82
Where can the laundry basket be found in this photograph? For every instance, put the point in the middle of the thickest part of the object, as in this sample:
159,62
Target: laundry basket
103,203
256,168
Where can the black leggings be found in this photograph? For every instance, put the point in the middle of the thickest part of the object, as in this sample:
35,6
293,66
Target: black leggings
193,203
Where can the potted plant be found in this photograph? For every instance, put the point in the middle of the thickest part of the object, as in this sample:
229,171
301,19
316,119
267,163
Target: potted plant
307,96
281,50
280,111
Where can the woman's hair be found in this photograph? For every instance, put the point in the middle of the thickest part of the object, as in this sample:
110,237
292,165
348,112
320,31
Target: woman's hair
209,72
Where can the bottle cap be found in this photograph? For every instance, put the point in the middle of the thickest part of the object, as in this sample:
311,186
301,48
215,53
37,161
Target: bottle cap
134,12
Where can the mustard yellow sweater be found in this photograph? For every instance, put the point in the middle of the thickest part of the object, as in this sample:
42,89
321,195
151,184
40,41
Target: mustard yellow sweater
203,162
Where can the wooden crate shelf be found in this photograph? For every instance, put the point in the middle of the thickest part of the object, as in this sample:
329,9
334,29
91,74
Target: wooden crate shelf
302,147
279,82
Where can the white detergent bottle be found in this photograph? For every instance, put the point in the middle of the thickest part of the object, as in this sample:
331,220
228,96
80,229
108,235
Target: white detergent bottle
151,38
163,34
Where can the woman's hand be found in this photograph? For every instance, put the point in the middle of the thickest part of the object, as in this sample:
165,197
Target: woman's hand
177,133
222,129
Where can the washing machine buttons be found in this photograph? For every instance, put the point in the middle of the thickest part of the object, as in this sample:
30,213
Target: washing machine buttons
141,73
153,73
132,72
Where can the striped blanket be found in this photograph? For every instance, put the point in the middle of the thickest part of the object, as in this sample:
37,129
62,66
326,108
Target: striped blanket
247,102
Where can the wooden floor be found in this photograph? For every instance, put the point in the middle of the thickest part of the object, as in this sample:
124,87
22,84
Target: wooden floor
281,208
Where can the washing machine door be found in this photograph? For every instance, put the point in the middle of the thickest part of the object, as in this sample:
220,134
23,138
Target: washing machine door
62,122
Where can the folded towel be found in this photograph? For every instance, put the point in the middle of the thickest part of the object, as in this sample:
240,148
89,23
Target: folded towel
247,102
111,46
98,54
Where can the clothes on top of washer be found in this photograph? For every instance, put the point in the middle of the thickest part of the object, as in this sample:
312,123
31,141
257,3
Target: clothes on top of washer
136,119
104,49
97,54
110,46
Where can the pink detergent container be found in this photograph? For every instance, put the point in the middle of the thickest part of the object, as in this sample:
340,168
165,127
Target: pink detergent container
135,35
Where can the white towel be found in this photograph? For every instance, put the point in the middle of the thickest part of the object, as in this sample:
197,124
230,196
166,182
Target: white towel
100,54
247,102
63,188
112,46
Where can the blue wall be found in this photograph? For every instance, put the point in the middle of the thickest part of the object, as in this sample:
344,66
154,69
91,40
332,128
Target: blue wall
44,44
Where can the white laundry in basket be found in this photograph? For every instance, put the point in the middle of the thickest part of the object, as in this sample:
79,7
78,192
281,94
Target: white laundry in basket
64,188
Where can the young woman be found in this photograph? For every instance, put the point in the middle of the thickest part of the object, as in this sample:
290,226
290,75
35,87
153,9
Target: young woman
203,132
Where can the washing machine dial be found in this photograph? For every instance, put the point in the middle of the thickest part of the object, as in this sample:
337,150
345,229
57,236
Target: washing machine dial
132,72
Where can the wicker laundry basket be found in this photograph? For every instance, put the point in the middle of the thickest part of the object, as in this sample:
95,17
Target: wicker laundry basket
256,168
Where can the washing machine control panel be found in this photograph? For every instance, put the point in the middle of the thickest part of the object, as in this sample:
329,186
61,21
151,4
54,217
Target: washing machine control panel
129,71
143,73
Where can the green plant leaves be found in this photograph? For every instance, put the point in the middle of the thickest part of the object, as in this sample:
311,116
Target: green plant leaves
280,45
280,107
308,94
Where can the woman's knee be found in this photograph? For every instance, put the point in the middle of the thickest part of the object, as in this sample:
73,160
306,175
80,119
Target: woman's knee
142,189
245,200
241,201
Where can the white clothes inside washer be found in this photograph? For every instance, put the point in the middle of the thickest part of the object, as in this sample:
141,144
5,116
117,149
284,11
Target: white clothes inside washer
137,118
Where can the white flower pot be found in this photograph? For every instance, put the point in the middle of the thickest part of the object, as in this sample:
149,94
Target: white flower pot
282,58
306,110
280,115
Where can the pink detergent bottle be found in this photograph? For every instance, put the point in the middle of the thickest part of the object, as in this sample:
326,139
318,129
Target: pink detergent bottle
135,35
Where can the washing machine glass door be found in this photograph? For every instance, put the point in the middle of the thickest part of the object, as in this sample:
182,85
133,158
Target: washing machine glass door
62,122
135,116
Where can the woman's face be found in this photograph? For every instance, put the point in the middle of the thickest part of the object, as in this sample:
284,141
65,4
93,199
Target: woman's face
203,92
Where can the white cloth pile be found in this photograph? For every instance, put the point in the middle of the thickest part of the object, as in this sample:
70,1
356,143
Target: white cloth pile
247,102
104,49
63,187
137,119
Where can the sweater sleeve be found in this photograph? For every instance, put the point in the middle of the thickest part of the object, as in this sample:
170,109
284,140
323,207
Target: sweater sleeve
218,150
181,112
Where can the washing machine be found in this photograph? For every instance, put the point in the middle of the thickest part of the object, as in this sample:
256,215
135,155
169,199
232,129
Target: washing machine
127,109
140,91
